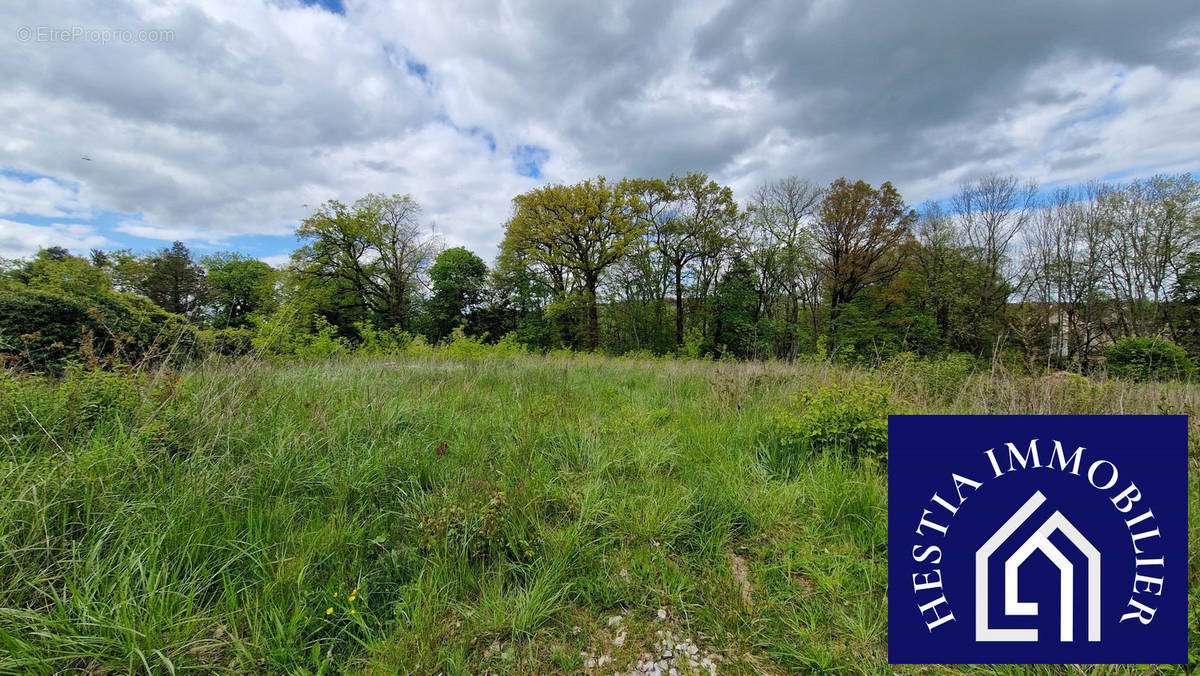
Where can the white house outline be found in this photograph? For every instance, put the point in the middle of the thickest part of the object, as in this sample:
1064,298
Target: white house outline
1039,541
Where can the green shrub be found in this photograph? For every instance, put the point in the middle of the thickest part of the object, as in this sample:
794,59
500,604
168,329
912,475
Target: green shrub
1144,359
228,341
418,347
44,330
470,348
479,526
462,346
381,341
509,346
849,420
284,335
322,343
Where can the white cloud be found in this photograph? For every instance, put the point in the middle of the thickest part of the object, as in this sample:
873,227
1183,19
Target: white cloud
279,261
39,196
256,109
21,240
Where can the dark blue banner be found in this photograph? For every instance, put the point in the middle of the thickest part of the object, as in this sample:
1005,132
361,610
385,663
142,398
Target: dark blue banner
1037,539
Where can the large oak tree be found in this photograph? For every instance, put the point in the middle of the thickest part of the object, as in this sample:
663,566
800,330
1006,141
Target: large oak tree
858,233
578,230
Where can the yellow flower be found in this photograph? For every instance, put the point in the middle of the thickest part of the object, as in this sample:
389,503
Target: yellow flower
335,595
329,611
352,597
351,611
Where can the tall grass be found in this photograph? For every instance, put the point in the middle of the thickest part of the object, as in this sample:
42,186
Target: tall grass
460,511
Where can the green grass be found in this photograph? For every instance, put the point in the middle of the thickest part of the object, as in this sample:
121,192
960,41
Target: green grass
491,512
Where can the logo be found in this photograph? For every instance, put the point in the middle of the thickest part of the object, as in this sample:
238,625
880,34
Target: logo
1037,539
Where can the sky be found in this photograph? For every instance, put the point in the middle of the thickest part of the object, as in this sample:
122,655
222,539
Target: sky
130,124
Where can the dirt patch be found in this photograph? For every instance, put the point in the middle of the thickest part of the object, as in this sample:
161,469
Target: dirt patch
807,586
741,575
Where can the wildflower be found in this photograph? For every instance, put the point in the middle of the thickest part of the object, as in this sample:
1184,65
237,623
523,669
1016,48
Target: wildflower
335,595
329,611
351,611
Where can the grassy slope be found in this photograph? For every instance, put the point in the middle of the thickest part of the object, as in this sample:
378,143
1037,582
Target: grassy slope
492,515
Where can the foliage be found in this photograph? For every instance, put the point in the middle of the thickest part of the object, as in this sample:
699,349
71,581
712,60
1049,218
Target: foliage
675,265
371,254
858,232
471,348
849,420
477,528
1184,314
939,378
375,341
227,342
44,330
239,287
48,415
1149,358
459,283
696,228
54,269
734,311
881,322
574,233
295,332
518,304
174,281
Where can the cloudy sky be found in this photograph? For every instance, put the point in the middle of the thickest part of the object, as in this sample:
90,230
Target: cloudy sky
215,122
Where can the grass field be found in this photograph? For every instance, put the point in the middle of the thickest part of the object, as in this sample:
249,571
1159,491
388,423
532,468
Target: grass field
489,514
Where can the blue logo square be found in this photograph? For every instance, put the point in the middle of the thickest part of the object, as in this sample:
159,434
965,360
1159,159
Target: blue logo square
1037,539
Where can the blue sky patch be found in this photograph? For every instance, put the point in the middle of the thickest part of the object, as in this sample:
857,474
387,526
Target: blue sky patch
528,160
334,6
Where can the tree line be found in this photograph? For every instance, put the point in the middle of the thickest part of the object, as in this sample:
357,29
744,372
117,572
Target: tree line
677,265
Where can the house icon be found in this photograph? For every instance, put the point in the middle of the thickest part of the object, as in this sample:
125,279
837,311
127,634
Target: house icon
1039,541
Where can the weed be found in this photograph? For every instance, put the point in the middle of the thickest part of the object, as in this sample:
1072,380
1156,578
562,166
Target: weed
850,420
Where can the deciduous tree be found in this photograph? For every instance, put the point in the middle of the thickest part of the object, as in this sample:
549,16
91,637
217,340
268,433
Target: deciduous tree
239,286
579,230
858,232
374,251
459,284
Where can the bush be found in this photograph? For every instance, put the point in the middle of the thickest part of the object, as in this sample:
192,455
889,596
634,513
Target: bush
227,342
284,334
850,420
1145,359
482,527
43,330
323,343
468,348
381,341
462,346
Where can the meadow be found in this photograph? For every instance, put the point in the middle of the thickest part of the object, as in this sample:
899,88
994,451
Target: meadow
476,510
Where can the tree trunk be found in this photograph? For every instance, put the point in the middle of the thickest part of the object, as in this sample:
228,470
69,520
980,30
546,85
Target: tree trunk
591,341
794,326
678,306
